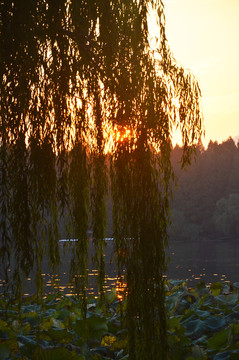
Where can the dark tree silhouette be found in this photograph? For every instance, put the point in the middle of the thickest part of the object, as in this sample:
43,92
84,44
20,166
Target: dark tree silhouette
204,203
72,75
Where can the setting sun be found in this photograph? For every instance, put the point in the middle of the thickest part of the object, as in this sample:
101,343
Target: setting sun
123,134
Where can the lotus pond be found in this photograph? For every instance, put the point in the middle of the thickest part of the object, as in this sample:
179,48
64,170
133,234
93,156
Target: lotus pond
203,323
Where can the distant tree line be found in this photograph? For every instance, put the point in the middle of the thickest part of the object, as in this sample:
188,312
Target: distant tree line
205,201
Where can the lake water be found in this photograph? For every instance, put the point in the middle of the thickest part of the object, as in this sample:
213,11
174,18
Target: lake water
207,260
193,261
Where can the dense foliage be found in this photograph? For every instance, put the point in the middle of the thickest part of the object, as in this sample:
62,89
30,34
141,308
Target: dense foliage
74,75
206,201
202,323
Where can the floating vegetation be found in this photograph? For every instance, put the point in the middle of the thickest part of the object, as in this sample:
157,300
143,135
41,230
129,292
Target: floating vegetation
202,323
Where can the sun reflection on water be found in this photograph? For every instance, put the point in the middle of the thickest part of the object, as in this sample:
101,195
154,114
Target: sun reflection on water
190,268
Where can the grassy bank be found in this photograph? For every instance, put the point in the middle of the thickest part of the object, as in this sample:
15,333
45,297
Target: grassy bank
203,323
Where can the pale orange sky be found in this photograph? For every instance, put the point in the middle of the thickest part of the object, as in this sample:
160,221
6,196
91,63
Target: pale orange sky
204,37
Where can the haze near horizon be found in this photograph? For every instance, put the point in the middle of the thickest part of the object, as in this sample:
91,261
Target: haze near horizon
203,35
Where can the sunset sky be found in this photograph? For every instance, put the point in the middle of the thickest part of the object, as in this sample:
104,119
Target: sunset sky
204,37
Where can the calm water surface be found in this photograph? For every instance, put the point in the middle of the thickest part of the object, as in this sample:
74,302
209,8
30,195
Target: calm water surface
205,260
193,261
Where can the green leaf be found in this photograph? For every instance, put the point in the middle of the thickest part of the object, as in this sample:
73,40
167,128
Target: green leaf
198,353
174,323
195,328
63,314
93,327
81,328
8,347
56,354
220,340
31,318
5,330
3,324
50,300
216,288
5,350
215,323
50,322
28,349
61,335
172,300
202,314
226,355
26,339
97,323
111,296
236,285
57,324
229,299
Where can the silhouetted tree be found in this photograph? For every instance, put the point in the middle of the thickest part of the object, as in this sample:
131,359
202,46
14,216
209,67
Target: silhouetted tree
72,75
226,215
208,182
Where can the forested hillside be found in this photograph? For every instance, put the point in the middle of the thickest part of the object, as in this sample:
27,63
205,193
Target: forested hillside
206,198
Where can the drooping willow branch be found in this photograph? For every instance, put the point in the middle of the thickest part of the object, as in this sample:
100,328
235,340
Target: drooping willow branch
75,78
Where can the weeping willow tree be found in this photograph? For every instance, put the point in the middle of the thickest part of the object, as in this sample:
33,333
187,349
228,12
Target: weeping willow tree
80,83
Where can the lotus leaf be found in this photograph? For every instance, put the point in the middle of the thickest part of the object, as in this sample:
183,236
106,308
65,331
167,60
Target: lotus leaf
5,351
60,335
220,339
202,314
215,323
195,328
216,288
207,327
229,299
56,354
91,327
223,356
198,353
